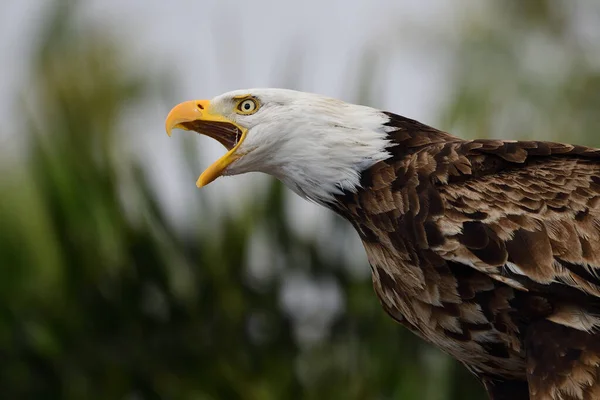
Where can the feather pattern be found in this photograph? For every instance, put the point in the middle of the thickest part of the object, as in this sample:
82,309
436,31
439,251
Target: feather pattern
490,250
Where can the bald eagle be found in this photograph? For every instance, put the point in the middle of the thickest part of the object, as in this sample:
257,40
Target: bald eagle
488,249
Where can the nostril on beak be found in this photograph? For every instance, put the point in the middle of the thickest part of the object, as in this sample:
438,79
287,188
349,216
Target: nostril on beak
200,106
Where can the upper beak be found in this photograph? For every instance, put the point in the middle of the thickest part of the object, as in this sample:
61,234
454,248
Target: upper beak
195,115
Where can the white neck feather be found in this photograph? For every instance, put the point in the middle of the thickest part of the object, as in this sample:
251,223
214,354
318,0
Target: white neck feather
318,146
336,157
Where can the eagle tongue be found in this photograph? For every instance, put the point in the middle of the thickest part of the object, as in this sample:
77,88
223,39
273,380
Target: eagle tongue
224,132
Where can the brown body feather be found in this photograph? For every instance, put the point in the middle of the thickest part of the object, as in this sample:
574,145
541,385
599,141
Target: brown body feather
489,250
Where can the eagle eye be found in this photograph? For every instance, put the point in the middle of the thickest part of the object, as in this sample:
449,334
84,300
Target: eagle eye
247,106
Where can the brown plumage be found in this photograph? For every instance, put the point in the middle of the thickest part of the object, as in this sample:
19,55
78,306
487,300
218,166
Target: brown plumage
490,250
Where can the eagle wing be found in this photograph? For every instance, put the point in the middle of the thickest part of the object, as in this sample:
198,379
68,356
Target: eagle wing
526,213
562,363
522,214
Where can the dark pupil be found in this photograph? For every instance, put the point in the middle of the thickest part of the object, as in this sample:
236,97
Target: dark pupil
247,106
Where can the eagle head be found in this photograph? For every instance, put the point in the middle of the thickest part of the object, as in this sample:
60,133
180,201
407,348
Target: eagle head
316,145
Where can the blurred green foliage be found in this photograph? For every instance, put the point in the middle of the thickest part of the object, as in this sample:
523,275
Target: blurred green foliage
528,70
102,298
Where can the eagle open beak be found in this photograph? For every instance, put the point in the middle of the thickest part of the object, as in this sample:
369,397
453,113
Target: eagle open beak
195,116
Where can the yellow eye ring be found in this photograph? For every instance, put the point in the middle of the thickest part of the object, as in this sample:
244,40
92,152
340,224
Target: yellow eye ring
247,106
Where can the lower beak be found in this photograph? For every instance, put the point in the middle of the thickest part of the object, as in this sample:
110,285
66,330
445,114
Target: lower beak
195,116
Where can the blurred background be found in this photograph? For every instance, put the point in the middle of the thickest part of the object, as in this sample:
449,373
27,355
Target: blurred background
120,280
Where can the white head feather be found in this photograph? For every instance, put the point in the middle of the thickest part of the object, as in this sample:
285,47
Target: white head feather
316,145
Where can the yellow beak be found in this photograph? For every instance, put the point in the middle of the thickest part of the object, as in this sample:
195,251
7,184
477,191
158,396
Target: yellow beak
195,115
